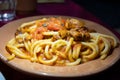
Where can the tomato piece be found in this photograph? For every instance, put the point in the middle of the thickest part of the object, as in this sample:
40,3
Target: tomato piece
63,20
53,26
41,29
38,33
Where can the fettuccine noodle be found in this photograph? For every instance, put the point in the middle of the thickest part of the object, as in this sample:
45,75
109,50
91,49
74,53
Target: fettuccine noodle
59,41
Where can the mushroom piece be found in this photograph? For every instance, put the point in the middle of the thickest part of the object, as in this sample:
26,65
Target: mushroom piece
81,34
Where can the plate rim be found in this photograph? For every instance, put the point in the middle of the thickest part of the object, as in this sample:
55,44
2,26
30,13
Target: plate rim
52,75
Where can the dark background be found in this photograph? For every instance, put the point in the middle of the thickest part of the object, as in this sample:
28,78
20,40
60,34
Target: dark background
108,11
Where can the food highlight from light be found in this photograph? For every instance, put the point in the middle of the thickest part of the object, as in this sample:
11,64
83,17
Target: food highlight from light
59,41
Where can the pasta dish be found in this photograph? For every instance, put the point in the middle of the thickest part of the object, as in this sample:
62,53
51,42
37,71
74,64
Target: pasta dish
59,41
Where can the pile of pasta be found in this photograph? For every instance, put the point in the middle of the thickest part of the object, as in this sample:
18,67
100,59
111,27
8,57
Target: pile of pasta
58,41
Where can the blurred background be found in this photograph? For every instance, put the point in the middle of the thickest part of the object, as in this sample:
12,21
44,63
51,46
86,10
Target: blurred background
108,11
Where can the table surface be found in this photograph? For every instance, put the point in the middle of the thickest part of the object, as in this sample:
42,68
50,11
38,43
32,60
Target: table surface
67,8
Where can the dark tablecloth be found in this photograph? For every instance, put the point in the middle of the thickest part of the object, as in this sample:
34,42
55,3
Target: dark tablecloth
68,8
